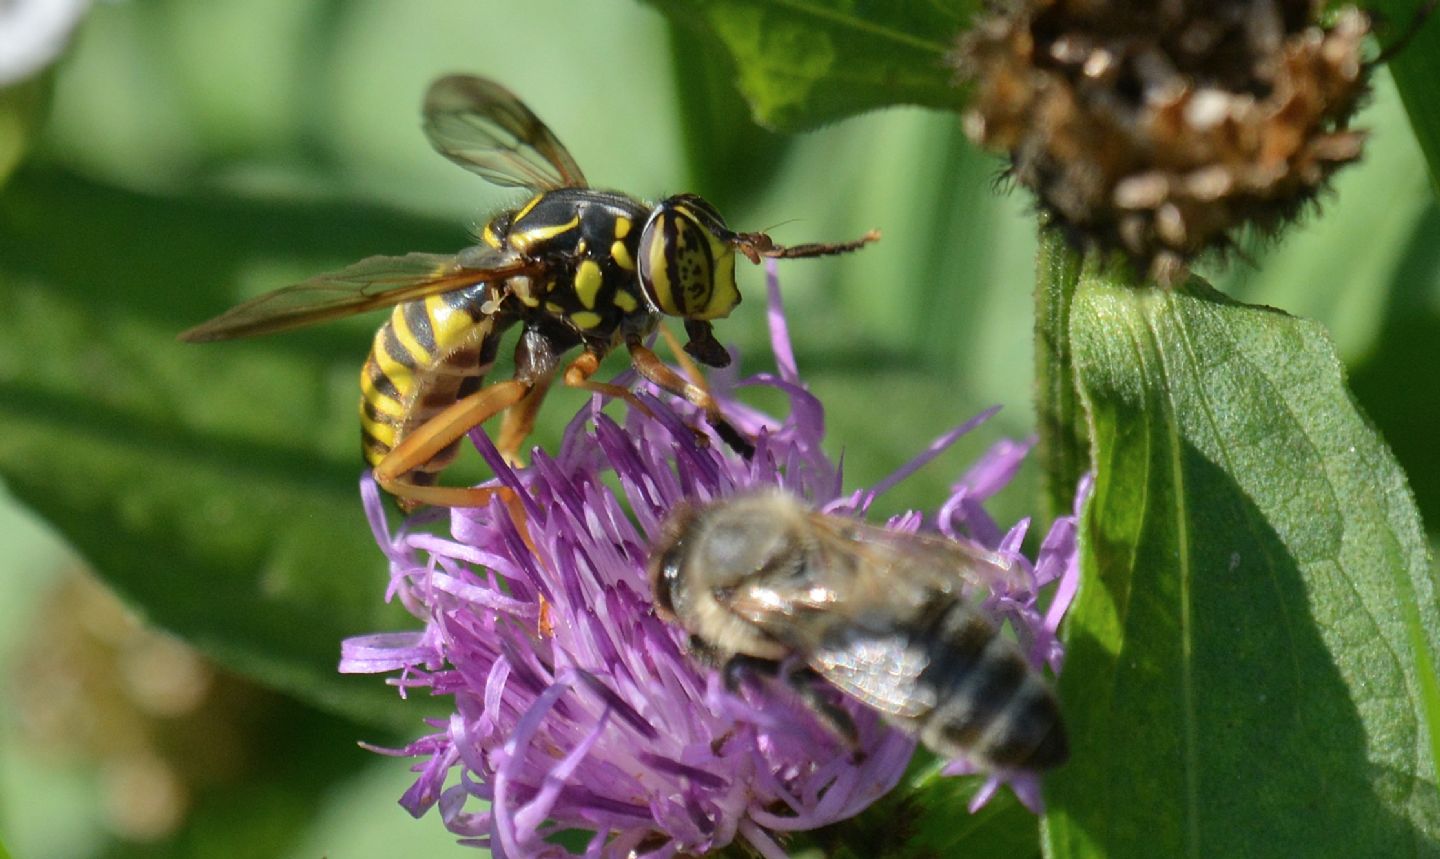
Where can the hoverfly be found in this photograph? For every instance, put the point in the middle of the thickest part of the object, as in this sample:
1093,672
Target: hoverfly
574,266
760,578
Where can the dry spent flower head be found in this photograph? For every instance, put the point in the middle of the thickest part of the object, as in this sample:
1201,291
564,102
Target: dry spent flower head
1162,128
577,708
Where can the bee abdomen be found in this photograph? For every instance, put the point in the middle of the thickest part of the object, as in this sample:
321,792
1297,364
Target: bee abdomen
990,704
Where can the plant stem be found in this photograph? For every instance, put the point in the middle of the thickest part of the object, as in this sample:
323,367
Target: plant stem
1063,451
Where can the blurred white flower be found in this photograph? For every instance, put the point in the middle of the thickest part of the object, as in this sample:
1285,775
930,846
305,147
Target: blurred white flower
33,33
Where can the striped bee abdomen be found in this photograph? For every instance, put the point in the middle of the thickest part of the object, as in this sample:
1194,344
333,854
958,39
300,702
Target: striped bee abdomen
429,353
989,702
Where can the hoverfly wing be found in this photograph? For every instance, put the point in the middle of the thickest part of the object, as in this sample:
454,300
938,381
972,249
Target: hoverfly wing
486,129
371,283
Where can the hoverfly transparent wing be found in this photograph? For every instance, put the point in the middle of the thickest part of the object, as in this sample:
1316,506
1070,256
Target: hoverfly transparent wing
371,283
486,129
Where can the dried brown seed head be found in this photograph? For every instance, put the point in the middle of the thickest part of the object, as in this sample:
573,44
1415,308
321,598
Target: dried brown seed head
1161,128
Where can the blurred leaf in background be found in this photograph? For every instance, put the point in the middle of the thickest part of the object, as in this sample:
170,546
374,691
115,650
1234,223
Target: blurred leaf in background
198,154
802,64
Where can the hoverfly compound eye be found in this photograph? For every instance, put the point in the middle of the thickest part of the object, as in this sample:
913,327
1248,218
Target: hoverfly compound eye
686,260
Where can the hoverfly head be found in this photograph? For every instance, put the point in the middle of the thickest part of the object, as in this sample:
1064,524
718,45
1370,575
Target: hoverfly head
687,260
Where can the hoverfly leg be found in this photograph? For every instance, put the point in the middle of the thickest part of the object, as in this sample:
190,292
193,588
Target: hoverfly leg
649,365
697,378
433,436
519,420
411,496
578,374
703,346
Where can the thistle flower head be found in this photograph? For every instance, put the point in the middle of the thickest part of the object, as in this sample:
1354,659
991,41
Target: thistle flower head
1162,128
577,708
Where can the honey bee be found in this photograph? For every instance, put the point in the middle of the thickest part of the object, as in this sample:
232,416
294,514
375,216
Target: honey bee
885,617
574,266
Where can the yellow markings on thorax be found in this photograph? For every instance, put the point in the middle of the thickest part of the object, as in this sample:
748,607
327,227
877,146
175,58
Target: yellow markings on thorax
524,291
488,235
621,255
585,319
588,280
525,209
525,240
625,301
554,308
622,227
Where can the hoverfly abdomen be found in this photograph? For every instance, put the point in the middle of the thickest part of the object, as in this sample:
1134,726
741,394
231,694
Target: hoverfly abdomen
428,354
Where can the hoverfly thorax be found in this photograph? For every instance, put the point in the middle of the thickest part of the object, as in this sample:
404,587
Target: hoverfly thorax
687,260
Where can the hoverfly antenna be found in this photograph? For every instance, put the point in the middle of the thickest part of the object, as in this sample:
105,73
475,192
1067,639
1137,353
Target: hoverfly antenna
757,246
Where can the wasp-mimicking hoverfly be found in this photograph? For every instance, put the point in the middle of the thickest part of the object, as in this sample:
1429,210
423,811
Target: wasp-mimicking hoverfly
885,617
574,266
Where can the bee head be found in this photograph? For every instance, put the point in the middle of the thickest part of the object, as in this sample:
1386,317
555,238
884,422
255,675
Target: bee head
687,260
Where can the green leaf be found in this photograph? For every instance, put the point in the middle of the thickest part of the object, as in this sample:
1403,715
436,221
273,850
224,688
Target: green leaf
214,486
22,108
730,157
927,816
801,63
1416,69
1249,668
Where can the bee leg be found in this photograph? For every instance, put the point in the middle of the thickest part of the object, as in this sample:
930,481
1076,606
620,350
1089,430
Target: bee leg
805,683
811,687
649,365
433,436
742,666
578,374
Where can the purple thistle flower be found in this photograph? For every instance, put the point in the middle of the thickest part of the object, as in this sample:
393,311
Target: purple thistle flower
576,708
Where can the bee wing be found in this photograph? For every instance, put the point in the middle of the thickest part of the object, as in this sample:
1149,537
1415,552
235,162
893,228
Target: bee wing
922,560
371,283
863,588
484,128
860,649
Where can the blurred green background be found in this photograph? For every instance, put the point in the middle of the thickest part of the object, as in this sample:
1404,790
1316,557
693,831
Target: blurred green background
199,153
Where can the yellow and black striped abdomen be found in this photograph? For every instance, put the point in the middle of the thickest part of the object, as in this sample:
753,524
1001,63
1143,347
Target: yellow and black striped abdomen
426,356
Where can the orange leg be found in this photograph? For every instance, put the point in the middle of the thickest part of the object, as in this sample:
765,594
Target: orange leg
519,421
689,366
578,374
649,365
420,446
